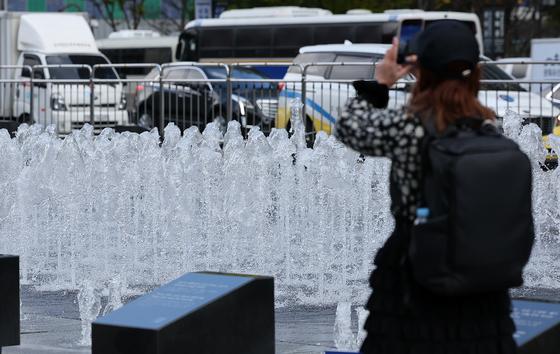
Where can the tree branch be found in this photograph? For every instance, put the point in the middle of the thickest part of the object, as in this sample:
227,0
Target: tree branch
122,5
105,8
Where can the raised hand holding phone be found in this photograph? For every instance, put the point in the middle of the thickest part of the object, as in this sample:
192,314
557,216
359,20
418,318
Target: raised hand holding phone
388,71
408,31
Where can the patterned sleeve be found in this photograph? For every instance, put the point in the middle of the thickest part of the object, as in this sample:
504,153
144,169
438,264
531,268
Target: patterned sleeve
376,132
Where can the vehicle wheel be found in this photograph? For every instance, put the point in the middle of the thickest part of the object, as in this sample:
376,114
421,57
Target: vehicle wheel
309,131
221,121
219,117
144,120
24,118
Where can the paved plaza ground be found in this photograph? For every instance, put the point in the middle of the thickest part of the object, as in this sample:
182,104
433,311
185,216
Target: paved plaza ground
51,324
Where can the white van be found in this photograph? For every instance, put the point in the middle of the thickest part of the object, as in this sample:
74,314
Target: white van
329,87
60,47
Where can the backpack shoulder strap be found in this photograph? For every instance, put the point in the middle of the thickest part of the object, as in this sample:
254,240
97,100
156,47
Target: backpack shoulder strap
430,135
477,125
430,128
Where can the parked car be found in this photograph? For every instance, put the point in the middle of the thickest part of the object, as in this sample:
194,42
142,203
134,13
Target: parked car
136,46
195,94
329,87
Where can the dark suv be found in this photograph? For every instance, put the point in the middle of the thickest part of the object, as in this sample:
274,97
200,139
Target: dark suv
196,95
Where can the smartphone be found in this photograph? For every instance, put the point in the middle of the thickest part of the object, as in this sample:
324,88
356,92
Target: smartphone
408,30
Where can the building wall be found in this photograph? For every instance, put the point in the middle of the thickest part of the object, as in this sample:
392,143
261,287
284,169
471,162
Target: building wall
152,8
158,12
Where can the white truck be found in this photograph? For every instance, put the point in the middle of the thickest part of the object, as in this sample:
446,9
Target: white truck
61,49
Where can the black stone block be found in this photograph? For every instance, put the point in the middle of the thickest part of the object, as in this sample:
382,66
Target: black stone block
538,326
198,313
9,300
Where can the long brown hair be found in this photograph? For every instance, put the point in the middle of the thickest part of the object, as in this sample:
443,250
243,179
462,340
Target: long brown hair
448,99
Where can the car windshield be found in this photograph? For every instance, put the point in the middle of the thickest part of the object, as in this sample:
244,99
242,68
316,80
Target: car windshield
153,74
555,95
334,72
493,72
219,73
307,58
79,73
354,72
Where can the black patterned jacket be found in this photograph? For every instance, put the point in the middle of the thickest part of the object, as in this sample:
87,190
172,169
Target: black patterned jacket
367,126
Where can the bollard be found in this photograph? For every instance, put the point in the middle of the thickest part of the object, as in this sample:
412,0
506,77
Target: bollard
9,301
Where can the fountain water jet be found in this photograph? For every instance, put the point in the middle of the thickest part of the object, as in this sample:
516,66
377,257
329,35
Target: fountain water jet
114,215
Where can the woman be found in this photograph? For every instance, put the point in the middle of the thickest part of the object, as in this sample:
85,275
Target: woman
405,318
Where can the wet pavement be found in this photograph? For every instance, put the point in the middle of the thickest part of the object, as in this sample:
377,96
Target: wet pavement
51,324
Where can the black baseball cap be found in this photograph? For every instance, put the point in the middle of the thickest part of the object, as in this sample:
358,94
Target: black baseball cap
444,42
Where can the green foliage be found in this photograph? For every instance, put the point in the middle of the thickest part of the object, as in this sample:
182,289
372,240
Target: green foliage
553,20
74,5
130,12
36,5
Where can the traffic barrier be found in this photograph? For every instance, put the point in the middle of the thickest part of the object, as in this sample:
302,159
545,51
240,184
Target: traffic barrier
188,94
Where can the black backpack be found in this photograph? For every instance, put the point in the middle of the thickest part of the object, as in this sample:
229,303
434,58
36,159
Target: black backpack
479,234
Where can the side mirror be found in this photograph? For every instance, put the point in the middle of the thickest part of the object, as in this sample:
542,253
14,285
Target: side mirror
39,74
179,50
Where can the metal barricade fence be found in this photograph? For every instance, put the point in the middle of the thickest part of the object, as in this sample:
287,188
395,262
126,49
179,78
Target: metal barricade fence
188,97
324,98
194,94
13,92
271,110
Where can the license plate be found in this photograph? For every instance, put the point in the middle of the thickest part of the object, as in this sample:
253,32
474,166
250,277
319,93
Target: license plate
98,118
